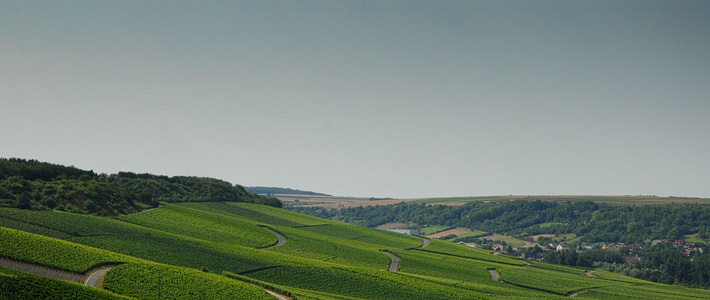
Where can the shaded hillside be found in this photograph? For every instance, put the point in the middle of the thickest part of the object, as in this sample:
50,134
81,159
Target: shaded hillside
30,184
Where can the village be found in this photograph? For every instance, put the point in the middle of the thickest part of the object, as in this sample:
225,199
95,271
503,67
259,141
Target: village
630,252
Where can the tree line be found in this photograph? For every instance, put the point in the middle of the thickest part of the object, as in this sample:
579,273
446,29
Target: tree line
595,222
30,184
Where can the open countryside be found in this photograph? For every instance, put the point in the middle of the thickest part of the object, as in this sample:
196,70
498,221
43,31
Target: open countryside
344,202
249,248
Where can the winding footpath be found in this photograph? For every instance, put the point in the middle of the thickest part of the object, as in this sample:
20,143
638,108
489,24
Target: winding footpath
277,295
281,238
92,278
494,274
394,263
425,243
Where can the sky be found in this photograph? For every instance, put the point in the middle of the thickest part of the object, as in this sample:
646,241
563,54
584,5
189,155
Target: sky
397,99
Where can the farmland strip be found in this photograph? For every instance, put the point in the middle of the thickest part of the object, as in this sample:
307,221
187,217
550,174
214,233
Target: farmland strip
41,271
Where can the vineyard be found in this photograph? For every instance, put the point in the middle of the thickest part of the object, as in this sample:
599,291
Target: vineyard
218,250
18,285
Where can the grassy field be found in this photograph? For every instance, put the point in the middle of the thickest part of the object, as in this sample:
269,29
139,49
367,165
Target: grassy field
694,238
433,229
549,224
513,242
217,251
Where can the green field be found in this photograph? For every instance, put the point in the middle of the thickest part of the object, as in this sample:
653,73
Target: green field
433,229
513,242
222,251
549,224
476,233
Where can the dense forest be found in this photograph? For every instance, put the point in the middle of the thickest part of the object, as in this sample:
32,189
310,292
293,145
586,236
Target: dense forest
595,222
30,184
277,190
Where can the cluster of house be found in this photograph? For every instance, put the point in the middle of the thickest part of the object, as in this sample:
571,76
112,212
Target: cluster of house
687,247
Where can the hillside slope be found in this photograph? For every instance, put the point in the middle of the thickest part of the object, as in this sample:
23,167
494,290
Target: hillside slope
234,247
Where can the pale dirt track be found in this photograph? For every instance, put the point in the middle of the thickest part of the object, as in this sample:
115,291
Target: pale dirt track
394,263
425,243
93,276
277,295
90,278
41,271
281,238
494,274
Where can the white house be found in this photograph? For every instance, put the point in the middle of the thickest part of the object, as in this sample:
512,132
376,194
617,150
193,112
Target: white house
405,231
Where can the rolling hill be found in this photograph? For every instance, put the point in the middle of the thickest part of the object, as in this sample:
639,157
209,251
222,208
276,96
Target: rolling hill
229,250
244,247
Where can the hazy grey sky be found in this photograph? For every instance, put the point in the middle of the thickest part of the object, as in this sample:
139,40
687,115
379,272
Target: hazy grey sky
360,98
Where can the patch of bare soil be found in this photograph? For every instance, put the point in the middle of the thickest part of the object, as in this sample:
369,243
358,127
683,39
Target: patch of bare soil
535,237
391,226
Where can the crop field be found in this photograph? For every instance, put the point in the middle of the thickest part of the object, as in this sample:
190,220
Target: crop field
561,268
63,255
551,281
264,214
454,231
448,248
184,251
194,220
18,285
433,229
378,237
176,283
474,233
513,242
444,266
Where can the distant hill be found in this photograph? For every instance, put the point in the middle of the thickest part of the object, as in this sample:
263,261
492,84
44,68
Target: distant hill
280,191
30,184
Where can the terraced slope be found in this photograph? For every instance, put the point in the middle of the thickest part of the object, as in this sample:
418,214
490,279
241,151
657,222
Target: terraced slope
225,251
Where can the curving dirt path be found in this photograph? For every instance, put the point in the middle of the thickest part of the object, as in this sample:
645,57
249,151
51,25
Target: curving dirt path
282,239
425,242
394,263
494,274
590,273
277,295
92,277
41,271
